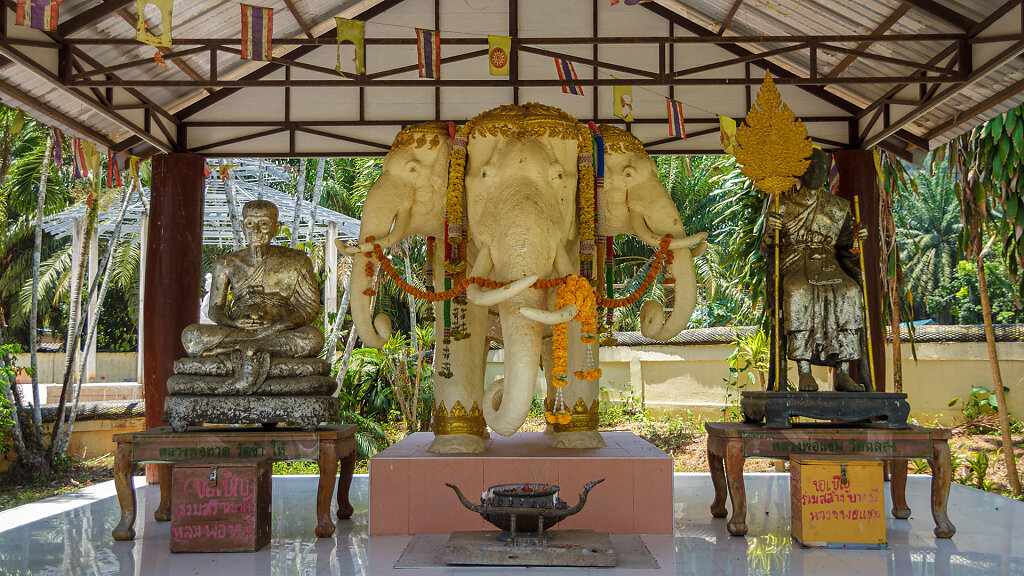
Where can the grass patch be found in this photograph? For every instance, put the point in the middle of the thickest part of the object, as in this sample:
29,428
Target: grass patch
77,474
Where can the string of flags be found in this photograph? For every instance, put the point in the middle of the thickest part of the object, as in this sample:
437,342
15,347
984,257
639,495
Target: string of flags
257,38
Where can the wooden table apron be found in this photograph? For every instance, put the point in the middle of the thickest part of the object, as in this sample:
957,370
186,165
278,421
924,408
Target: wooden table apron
730,443
327,446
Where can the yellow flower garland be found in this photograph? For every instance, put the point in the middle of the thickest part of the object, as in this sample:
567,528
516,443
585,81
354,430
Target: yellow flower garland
577,291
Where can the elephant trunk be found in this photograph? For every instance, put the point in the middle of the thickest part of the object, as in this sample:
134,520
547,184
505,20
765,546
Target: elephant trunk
374,332
507,401
653,323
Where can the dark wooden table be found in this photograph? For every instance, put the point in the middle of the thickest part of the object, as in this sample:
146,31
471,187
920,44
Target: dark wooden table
327,446
730,443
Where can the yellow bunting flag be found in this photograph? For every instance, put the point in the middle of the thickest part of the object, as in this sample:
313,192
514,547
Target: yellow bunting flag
17,123
727,127
499,53
622,104
142,30
352,31
91,156
133,167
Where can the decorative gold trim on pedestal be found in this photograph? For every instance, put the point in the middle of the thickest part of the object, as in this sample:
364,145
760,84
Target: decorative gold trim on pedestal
584,419
458,421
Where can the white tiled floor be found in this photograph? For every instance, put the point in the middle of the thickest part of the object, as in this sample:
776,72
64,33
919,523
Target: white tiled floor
989,539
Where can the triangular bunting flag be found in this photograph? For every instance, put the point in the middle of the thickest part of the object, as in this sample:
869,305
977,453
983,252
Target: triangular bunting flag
499,50
676,125
622,104
142,33
257,30
38,14
567,72
77,161
428,50
833,174
133,169
630,2
352,31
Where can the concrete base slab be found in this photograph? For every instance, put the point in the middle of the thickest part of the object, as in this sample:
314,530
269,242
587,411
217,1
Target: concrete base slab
579,548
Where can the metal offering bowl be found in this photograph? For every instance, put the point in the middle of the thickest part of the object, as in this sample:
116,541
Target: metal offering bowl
524,507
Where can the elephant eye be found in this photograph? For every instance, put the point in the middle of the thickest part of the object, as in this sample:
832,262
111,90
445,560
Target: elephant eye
628,172
412,166
559,175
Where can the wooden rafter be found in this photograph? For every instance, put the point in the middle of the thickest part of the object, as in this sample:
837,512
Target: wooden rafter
863,46
729,16
298,18
30,102
943,13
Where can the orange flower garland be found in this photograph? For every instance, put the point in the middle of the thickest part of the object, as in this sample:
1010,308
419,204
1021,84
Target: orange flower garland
575,290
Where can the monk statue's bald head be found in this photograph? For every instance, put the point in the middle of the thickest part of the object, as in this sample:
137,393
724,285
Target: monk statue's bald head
259,222
260,208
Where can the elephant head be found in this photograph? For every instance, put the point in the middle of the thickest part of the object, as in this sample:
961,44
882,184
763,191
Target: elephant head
521,178
637,203
406,200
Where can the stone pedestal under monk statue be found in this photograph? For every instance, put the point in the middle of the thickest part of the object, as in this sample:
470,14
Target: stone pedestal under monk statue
258,363
822,303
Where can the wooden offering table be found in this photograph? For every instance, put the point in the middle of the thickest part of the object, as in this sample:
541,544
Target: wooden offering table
327,445
730,443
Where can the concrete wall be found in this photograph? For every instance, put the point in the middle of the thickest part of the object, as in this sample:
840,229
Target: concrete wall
90,438
673,379
110,367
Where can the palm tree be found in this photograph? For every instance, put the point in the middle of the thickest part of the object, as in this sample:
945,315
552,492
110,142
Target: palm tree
927,233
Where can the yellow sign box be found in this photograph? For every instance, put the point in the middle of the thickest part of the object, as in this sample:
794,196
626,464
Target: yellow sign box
837,502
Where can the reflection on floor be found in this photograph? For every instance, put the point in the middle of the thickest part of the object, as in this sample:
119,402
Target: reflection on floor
77,540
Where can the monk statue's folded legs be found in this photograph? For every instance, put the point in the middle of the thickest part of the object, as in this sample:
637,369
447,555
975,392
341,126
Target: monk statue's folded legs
215,340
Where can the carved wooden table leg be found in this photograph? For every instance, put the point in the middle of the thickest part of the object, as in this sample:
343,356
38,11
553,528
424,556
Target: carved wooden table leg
163,512
898,489
737,492
328,469
125,491
942,475
718,480
348,466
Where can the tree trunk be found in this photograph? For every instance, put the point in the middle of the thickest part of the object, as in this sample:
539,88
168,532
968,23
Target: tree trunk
94,319
37,251
894,327
9,389
318,187
300,192
997,379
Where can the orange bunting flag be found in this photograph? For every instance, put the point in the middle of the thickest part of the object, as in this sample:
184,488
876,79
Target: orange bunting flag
257,30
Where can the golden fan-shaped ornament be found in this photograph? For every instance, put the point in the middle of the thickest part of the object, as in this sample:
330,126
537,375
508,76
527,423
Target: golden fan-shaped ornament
772,146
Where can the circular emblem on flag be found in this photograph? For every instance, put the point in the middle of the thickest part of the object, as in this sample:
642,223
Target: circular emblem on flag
498,56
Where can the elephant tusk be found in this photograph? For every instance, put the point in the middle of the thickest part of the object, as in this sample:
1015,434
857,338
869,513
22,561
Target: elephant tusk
687,241
363,248
481,297
563,314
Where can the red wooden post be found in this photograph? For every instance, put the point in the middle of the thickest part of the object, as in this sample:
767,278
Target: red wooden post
857,176
173,273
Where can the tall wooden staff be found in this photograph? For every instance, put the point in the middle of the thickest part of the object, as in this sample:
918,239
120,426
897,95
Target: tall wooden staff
864,289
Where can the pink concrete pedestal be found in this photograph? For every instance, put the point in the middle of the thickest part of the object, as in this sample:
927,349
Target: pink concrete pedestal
408,495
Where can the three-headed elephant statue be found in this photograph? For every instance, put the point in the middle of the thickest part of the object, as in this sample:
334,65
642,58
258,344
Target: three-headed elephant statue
510,202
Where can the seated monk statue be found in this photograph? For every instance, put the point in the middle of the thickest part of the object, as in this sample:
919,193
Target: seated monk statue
263,301
822,302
